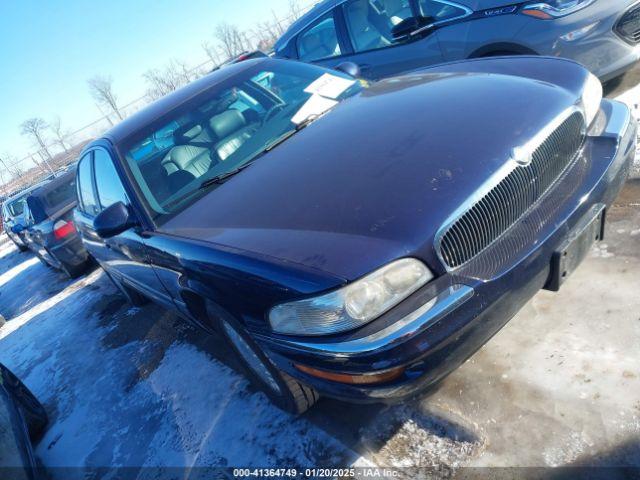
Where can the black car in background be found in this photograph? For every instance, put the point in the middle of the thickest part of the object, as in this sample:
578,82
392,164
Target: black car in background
50,232
22,422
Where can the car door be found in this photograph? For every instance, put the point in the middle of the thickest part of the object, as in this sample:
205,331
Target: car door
322,42
368,26
124,255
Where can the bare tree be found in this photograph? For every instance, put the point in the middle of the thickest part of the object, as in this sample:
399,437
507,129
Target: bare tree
169,78
4,168
266,33
295,11
232,40
211,52
11,165
101,89
35,128
61,135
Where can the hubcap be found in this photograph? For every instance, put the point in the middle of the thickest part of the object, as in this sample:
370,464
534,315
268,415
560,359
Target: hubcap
250,357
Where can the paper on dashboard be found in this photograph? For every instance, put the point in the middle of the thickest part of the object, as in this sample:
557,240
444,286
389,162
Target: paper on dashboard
329,86
316,105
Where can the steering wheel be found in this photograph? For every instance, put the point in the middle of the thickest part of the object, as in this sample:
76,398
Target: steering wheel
272,111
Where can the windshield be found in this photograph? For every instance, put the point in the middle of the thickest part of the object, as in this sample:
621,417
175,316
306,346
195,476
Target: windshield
16,207
218,132
61,195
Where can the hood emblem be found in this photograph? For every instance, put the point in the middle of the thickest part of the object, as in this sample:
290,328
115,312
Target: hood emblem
522,156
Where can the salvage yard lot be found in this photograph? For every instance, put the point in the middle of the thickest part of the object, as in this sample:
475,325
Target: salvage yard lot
138,387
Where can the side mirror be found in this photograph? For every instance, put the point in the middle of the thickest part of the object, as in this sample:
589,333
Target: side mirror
114,220
410,25
349,68
17,228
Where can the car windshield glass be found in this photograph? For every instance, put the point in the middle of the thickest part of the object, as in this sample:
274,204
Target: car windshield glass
211,137
16,208
61,195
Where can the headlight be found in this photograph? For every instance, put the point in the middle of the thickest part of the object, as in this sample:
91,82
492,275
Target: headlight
591,98
555,8
353,305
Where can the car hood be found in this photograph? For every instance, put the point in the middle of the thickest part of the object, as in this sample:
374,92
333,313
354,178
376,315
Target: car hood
376,178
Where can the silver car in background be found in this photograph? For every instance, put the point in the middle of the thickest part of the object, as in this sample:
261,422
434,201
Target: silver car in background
387,37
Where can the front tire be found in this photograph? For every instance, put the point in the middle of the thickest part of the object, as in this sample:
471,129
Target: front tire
283,390
32,410
21,248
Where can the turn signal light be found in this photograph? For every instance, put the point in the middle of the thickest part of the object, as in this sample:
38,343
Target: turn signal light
537,13
62,229
367,379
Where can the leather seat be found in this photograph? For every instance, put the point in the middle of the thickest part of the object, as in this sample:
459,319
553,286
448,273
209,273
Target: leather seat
232,131
195,158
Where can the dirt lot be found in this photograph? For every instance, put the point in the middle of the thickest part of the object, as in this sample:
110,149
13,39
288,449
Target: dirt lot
133,387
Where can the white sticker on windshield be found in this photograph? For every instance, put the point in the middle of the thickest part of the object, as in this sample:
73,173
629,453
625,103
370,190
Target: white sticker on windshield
329,86
316,105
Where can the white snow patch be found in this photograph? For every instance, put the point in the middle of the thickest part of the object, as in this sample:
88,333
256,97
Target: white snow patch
122,402
632,99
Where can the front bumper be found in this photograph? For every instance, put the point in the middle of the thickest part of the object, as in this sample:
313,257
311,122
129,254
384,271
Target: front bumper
476,300
588,37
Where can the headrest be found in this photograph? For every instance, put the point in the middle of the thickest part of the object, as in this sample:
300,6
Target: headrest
226,123
192,132
186,133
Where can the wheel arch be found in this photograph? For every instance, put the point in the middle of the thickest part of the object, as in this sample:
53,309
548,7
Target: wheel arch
502,48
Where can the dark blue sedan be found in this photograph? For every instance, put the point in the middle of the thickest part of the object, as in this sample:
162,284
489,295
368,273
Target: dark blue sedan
349,239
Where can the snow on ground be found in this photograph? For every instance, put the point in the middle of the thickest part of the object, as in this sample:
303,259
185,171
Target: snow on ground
632,99
127,388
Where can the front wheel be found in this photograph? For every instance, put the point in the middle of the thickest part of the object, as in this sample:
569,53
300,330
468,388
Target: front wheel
21,248
283,390
32,410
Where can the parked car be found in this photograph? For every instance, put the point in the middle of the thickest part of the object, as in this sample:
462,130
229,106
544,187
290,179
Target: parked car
22,422
387,37
358,241
13,216
49,231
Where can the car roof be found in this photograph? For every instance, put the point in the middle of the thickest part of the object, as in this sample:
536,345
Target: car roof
318,10
169,102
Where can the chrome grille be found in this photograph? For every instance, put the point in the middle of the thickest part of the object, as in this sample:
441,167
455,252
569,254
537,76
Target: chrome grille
629,25
508,201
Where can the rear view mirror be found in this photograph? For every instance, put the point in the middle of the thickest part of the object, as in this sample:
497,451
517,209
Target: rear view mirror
410,25
114,220
349,68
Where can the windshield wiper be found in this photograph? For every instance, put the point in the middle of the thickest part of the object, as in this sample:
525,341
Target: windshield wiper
289,133
218,179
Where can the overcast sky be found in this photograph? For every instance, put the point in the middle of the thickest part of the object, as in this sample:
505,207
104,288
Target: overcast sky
48,50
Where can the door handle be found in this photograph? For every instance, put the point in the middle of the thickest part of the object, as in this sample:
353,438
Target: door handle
108,246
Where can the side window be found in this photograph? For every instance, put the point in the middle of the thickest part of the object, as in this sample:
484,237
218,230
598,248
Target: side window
108,184
370,22
440,11
85,186
319,41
